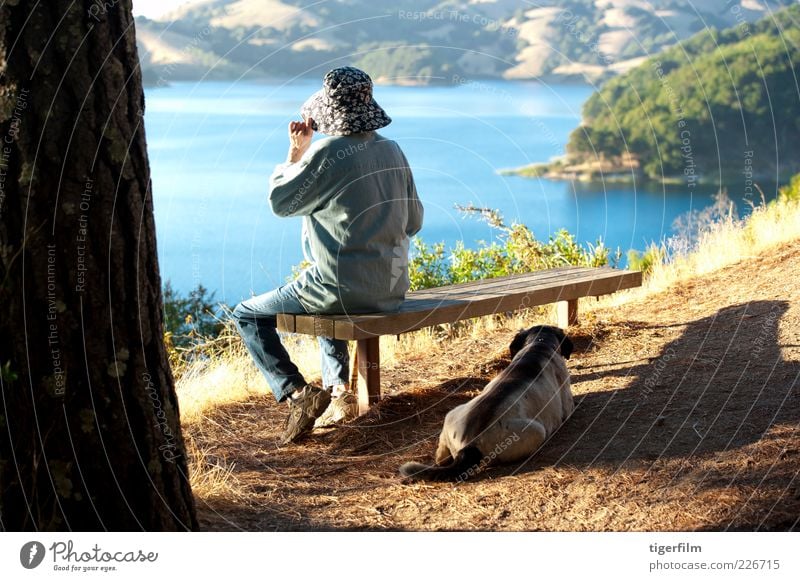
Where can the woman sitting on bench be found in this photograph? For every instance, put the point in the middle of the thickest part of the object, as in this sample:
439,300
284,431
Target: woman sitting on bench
359,204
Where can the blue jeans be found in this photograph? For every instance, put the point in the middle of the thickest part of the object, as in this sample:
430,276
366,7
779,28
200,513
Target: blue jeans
256,320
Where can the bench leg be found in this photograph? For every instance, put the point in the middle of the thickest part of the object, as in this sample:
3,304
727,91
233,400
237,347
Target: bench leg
368,359
567,313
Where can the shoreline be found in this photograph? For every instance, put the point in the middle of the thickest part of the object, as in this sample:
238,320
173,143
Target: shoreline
559,171
152,79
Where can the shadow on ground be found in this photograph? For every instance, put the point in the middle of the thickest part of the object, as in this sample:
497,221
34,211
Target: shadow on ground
722,385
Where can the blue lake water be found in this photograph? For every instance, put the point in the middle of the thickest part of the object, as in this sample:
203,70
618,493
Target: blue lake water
213,145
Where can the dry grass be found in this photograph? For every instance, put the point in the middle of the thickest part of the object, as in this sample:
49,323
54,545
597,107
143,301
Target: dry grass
722,244
221,372
730,242
211,477
223,377
712,448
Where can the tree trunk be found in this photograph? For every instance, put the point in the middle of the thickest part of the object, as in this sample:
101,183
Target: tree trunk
89,431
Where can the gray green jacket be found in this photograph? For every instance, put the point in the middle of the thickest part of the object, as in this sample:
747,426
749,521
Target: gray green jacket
359,205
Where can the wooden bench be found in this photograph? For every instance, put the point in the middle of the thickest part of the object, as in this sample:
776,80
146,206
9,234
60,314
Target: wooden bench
435,306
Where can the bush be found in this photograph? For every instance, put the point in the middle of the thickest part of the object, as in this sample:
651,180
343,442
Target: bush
427,267
516,250
192,318
653,255
791,191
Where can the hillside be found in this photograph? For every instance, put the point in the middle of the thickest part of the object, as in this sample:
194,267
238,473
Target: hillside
687,415
722,105
425,41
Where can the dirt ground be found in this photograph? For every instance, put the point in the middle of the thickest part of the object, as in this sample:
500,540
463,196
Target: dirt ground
687,417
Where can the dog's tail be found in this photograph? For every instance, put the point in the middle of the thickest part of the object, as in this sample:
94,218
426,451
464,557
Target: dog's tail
462,467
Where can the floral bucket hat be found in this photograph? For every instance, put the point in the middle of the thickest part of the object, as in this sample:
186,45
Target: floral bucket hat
345,105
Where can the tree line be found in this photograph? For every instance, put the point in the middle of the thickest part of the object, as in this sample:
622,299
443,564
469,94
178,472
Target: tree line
720,104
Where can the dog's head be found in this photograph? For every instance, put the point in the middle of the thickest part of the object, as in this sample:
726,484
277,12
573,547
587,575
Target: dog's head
552,336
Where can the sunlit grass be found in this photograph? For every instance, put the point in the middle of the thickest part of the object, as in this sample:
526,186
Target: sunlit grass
210,476
721,244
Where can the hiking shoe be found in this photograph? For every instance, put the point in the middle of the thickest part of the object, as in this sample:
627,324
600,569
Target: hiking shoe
303,410
343,408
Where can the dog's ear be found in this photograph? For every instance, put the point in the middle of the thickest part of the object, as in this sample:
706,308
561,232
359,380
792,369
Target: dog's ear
566,347
518,342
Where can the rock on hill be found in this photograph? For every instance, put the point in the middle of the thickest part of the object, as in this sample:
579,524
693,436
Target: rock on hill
426,41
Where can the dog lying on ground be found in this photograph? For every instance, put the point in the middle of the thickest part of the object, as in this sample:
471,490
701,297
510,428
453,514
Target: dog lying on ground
512,416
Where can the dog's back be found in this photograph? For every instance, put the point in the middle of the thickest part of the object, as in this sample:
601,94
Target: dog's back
513,415
526,388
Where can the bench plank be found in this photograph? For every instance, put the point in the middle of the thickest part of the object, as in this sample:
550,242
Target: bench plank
505,282
522,285
487,288
420,311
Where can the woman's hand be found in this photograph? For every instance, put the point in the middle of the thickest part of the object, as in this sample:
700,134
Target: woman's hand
300,134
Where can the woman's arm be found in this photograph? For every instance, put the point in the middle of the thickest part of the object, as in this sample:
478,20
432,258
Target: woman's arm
300,185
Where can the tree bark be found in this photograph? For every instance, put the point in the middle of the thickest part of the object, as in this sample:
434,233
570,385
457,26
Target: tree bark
89,431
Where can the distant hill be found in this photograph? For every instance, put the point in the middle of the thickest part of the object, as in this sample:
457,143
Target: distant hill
425,41
722,104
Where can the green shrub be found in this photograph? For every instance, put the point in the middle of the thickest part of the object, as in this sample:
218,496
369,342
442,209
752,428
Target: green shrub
791,191
427,266
516,250
653,255
190,318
